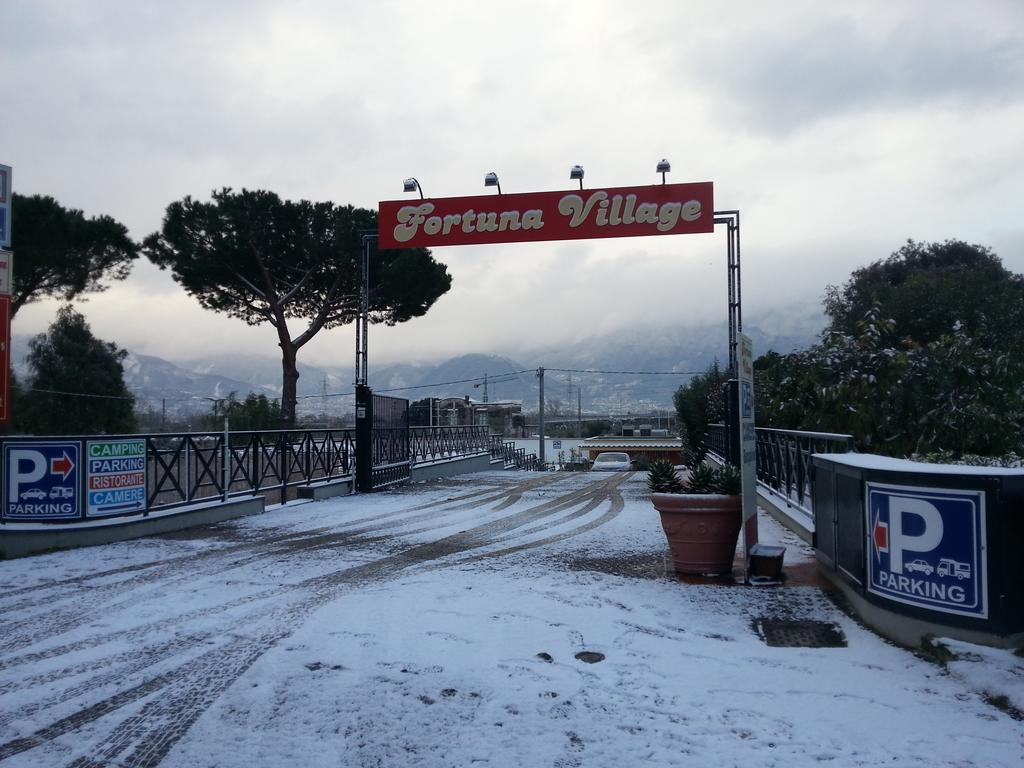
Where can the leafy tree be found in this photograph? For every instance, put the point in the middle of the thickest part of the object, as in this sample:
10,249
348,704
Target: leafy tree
923,353
256,412
923,290
261,259
954,393
787,390
76,382
61,253
698,403
556,407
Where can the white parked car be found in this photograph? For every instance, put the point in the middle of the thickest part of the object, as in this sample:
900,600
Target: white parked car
612,462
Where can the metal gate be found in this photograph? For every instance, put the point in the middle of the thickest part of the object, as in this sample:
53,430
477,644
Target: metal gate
386,455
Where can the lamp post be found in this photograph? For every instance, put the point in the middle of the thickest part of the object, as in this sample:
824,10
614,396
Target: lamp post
663,167
491,180
411,185
576,173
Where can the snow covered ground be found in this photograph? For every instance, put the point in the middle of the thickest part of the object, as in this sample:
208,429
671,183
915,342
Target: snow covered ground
498,619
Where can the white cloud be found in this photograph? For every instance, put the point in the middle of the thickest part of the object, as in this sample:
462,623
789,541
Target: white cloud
837,131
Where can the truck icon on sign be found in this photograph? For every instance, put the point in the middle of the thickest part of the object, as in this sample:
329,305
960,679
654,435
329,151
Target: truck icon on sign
949,567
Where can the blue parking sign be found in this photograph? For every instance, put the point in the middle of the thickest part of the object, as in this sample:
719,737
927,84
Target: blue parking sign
927,547
41,480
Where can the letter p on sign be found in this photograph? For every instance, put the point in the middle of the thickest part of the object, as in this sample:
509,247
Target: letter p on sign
900,508
27,466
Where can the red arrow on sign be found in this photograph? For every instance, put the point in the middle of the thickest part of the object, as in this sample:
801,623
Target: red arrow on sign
62,466
881,536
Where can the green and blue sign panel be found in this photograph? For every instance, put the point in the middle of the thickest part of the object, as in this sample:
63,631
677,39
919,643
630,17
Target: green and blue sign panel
41,480
115,477
927,547
57,480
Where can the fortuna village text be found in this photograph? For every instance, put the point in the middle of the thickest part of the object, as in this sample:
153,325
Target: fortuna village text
598,210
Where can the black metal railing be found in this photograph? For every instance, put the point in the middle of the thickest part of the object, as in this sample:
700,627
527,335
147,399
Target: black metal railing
717,440
513,456
784,458
438,443
184,468
391,453
180,469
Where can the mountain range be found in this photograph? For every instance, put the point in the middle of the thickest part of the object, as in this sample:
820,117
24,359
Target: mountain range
634,369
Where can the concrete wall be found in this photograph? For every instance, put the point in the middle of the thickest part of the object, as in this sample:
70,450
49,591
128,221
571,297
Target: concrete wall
448,467
325,490
790,516
20,539
909,631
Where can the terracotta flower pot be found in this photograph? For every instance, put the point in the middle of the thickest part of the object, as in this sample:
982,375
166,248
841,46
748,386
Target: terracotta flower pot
702,530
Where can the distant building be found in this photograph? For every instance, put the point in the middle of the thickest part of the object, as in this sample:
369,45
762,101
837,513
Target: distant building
501,418
640,440
504,417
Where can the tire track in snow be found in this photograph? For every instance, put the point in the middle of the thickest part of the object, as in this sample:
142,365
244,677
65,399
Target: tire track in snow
186,692
53,621
34,590
141,632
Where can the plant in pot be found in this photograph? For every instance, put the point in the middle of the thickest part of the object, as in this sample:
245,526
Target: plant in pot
701,516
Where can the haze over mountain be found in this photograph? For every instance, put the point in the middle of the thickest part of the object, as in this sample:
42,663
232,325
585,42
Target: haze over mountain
635,369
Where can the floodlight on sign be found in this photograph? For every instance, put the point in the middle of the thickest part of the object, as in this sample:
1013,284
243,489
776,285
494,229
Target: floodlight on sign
663,167
576,173
411,185
491,180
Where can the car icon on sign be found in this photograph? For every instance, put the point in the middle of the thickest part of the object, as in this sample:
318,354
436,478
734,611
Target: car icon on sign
33,493
920,566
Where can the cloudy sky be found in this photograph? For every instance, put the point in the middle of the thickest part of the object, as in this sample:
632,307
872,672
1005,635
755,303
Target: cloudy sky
837,129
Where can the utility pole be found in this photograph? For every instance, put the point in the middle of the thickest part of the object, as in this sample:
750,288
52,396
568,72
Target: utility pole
579,412
540,415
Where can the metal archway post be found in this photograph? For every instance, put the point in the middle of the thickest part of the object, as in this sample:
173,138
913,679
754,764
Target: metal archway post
363,315
732,220
364,396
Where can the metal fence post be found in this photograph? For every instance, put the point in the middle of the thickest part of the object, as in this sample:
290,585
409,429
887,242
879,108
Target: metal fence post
283,448
732,420
364,438
226,460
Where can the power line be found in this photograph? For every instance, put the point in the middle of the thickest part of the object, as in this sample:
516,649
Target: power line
390,389
418,386
81,394
627,373
444,383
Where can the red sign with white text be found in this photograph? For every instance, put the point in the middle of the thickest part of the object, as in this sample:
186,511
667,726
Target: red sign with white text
656,209
5,359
